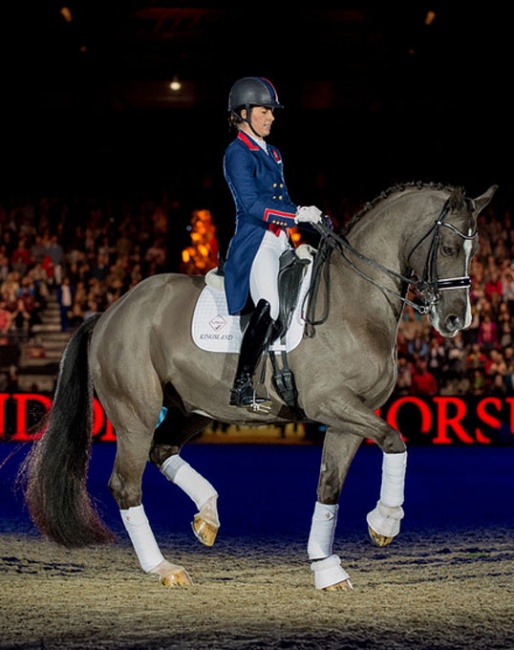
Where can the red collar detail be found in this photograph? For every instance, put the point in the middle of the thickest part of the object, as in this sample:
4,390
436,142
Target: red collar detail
248,141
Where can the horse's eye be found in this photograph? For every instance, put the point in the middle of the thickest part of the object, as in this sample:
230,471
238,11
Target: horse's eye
448,251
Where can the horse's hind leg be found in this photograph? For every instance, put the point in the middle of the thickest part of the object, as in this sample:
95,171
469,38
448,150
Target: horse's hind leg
165,455
125,485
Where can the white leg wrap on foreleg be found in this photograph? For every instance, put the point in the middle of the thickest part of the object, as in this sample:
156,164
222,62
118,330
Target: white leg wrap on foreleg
393,479
142,537
197,488
385,518
329,572
323,526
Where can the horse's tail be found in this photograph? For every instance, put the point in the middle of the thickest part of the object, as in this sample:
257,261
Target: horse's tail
54,472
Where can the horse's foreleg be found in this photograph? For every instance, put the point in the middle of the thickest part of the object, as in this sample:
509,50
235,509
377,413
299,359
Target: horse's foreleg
384,519
338,453
206,521
361,421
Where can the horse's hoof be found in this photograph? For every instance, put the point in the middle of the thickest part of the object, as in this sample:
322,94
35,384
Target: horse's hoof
204,530
172,575
345,585
378,539
177,579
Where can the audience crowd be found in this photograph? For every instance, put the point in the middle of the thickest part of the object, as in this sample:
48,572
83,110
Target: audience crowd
86,253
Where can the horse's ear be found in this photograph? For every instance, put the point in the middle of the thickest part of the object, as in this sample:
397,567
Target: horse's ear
457,198
484,199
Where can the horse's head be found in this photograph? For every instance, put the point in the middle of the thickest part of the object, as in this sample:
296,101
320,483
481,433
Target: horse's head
443,258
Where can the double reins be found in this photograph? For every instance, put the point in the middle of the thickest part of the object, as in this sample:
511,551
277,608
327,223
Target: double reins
427,288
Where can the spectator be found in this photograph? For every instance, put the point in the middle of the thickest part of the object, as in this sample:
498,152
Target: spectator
10,288
493,286
75,316
424,384
508,290
100,268
21,321
65,296
37,250
6,320
4,264
418,346
411,324
476,359
436,357
404,378
55,252
487,336
21,258
456,363
478,383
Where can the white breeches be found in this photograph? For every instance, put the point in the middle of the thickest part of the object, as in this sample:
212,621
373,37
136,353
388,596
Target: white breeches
265,268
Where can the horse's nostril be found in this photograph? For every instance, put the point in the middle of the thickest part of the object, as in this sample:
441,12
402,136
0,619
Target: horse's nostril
453,322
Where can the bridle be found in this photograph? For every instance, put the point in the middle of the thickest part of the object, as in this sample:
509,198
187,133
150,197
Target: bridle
427,288
430,286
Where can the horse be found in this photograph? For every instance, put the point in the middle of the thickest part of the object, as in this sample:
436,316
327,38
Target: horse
412,245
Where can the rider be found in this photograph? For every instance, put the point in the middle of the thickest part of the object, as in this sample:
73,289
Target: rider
264,211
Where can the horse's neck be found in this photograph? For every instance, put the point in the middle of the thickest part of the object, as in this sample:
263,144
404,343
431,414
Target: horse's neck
375,292
380,238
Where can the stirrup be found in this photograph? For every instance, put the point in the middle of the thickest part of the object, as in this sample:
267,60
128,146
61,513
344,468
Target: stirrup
243,394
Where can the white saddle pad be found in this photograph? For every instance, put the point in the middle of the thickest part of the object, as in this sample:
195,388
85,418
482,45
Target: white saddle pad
214,330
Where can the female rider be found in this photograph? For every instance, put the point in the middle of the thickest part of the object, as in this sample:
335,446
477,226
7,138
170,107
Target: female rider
264,211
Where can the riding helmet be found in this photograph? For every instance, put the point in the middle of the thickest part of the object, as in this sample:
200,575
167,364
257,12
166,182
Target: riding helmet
252,91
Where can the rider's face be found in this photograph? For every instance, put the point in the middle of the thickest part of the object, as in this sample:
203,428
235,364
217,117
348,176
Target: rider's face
261,119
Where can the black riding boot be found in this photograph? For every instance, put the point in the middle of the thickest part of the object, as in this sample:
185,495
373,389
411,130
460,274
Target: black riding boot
255,339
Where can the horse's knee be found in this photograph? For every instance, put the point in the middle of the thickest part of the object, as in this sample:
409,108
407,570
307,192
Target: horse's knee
392,444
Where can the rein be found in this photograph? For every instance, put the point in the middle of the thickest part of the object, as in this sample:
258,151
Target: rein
427,288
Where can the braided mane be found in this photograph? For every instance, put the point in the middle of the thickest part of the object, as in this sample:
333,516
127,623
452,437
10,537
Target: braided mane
399,187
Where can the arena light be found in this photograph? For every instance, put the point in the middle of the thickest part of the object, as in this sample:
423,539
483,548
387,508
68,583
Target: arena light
430,17
175,84
66,14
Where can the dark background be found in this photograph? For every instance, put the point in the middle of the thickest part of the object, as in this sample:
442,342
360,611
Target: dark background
372,96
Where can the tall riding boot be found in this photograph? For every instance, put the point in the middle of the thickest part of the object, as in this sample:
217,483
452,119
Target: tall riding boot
255,339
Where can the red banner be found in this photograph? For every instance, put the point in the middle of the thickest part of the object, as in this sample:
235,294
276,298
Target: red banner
441,420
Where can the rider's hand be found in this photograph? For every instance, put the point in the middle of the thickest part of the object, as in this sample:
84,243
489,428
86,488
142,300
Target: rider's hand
308,214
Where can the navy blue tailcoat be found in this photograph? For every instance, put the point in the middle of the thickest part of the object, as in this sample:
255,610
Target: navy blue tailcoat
256,181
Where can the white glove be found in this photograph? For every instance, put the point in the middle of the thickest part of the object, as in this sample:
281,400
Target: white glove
308,214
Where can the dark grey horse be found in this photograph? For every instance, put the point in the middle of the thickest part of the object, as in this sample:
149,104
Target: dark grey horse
139,356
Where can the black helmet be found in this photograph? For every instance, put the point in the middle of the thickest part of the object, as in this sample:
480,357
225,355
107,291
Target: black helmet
252,91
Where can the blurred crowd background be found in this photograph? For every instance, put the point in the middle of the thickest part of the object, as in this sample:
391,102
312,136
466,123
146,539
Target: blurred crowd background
86,253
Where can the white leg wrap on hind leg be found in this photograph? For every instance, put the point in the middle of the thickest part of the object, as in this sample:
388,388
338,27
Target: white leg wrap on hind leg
323,526
181,473
197,488
142,537
385,518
